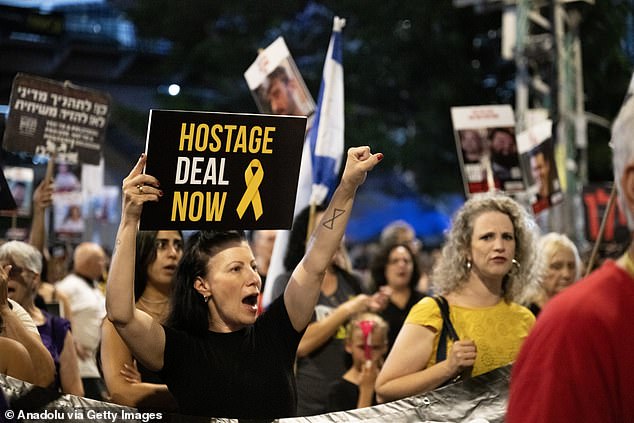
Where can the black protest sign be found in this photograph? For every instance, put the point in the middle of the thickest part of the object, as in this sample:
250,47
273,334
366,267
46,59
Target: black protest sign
56,118
222,170
596,198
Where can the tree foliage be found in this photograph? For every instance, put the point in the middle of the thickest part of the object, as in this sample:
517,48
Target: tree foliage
405,63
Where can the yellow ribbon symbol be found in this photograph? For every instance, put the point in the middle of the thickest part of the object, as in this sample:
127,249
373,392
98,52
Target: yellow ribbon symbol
252,195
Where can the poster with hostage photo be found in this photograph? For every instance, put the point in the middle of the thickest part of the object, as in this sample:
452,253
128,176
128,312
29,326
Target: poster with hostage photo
487,149
20,182
276,84
538,158
68,215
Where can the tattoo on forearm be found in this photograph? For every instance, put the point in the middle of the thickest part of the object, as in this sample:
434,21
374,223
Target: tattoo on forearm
330,223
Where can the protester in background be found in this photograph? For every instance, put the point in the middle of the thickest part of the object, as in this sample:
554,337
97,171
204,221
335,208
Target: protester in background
400,232
560,265
366,343
128,381
321,353
23,285
396,267
576,365
486,264
18,326
48,297
88,307
213,353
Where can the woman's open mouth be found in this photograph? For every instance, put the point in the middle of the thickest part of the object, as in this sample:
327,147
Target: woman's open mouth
251,301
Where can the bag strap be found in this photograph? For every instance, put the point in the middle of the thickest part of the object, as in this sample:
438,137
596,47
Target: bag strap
447,329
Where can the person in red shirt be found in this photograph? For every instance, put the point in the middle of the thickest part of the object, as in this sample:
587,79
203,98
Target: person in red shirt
576,365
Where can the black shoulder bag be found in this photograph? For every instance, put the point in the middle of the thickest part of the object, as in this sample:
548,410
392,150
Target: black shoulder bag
447,329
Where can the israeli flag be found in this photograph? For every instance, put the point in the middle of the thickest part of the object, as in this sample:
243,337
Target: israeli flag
326,135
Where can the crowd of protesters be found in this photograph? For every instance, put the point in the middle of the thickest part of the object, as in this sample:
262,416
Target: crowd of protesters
175,323
375,333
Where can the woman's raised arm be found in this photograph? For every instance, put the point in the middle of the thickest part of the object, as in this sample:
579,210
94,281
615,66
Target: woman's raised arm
144,336
302,291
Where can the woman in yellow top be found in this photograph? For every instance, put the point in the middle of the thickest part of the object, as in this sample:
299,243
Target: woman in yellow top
486,264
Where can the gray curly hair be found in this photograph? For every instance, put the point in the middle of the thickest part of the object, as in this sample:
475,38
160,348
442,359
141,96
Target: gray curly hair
451,272
23,254
623,148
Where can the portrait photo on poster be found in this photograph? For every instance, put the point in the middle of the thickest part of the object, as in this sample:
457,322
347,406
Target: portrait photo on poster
487,149
276,84
538,161
20,182
68,214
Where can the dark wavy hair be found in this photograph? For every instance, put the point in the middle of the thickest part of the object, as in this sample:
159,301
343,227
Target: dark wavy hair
189,311
145,255
297,239
379,263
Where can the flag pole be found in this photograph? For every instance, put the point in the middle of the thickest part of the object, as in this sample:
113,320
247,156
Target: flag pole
311,221
595,248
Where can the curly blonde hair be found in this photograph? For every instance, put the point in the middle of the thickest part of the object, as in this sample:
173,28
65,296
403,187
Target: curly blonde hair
451,271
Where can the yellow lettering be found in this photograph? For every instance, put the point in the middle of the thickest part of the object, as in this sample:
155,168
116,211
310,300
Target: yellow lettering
215,209
179,205
214,147
196,197
267,139
254,139
191,207
241,141
186,136
201,144
229,129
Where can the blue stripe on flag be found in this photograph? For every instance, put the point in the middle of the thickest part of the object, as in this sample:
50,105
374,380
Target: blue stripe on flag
326,134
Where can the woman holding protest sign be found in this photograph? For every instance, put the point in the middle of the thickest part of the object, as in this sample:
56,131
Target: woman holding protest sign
215,357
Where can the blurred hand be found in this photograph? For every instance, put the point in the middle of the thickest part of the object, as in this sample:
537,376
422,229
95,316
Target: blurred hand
369,372
43,195
462,355
358,304
380,299
131,372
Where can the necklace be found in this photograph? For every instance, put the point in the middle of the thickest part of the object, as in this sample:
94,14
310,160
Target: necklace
628,263
146,301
